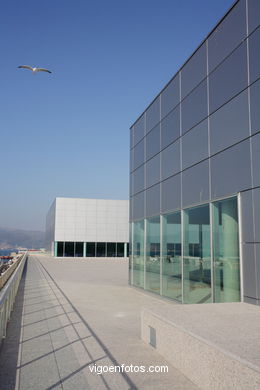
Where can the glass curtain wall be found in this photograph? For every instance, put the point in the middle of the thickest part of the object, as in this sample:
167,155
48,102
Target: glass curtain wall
152,264
171,256
69,249
226,251
78,249
138,254
196,255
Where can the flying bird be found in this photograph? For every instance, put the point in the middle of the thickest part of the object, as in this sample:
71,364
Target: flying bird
34,70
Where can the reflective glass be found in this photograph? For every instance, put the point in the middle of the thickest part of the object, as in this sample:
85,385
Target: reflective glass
138,154
138,176
138,206
153,142
153,255
153,114
101,249
171,193
78,249
171,163
138,254
254,56
69,249
91,249
226,251
194,107
153,171
170,96
111,249
227,35
228,79
120,249
195,184
253,14
196,256
171,256
194,71
153,200
170,127
60,248
131,137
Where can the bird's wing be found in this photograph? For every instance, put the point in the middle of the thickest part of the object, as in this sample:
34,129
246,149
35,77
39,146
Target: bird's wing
42,70
25,67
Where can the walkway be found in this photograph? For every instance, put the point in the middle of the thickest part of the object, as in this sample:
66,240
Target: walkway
72,315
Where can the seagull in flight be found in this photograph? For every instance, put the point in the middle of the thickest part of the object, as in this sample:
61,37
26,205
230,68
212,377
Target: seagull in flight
34,70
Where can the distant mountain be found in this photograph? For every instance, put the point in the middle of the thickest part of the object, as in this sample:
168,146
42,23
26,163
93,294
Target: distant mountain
16,238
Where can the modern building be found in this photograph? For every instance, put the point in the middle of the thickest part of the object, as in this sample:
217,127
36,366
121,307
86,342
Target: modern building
195,172
88,228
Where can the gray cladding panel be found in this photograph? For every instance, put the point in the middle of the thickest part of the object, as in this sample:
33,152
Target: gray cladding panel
229,78
153,201
139,129
254,56
170,97
229,124
138,206
153,142
257,261
227,35
138,152
249,270
153,171
170,160
256,200
170,127
247,225
195,145
254,106
256,159
195,184
231,170
171,194
253,14
153,114
138,179
194,107
194,71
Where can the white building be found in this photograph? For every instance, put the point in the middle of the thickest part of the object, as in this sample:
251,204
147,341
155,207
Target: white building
87,228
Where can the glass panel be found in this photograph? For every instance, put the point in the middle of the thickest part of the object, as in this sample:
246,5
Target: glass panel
171,160
254,106
153,142
170,127
60,246
194,107
139,130
195,184
194,71
153,255
138,154
253,14
69,249
226,251
153,114
127,250
101,249
138,206
227,35
111,249
153,200
131,137
138,254
78,249
228,79
170,96
198,137
171,256
120,249
196,256
254,56
153,171
171,194
91,249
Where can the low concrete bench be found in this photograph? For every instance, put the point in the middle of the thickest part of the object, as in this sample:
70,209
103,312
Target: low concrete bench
217,346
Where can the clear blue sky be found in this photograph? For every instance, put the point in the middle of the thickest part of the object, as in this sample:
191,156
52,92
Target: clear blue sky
66,134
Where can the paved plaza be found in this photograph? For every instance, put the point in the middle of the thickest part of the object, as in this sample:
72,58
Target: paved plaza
72,315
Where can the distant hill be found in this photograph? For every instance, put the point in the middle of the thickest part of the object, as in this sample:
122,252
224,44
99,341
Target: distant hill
16,238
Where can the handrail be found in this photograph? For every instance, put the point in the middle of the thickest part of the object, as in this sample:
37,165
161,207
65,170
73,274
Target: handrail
8,294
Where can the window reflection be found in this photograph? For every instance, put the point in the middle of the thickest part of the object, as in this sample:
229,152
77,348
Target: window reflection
138,254
153,254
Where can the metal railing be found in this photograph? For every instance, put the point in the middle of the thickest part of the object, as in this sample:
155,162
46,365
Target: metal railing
8,294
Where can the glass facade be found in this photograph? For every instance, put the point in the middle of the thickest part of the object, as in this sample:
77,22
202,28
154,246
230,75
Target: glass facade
91,249
191,255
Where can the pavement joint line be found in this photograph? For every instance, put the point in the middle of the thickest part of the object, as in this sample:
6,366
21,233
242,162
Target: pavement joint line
97,339
52,331
49,318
